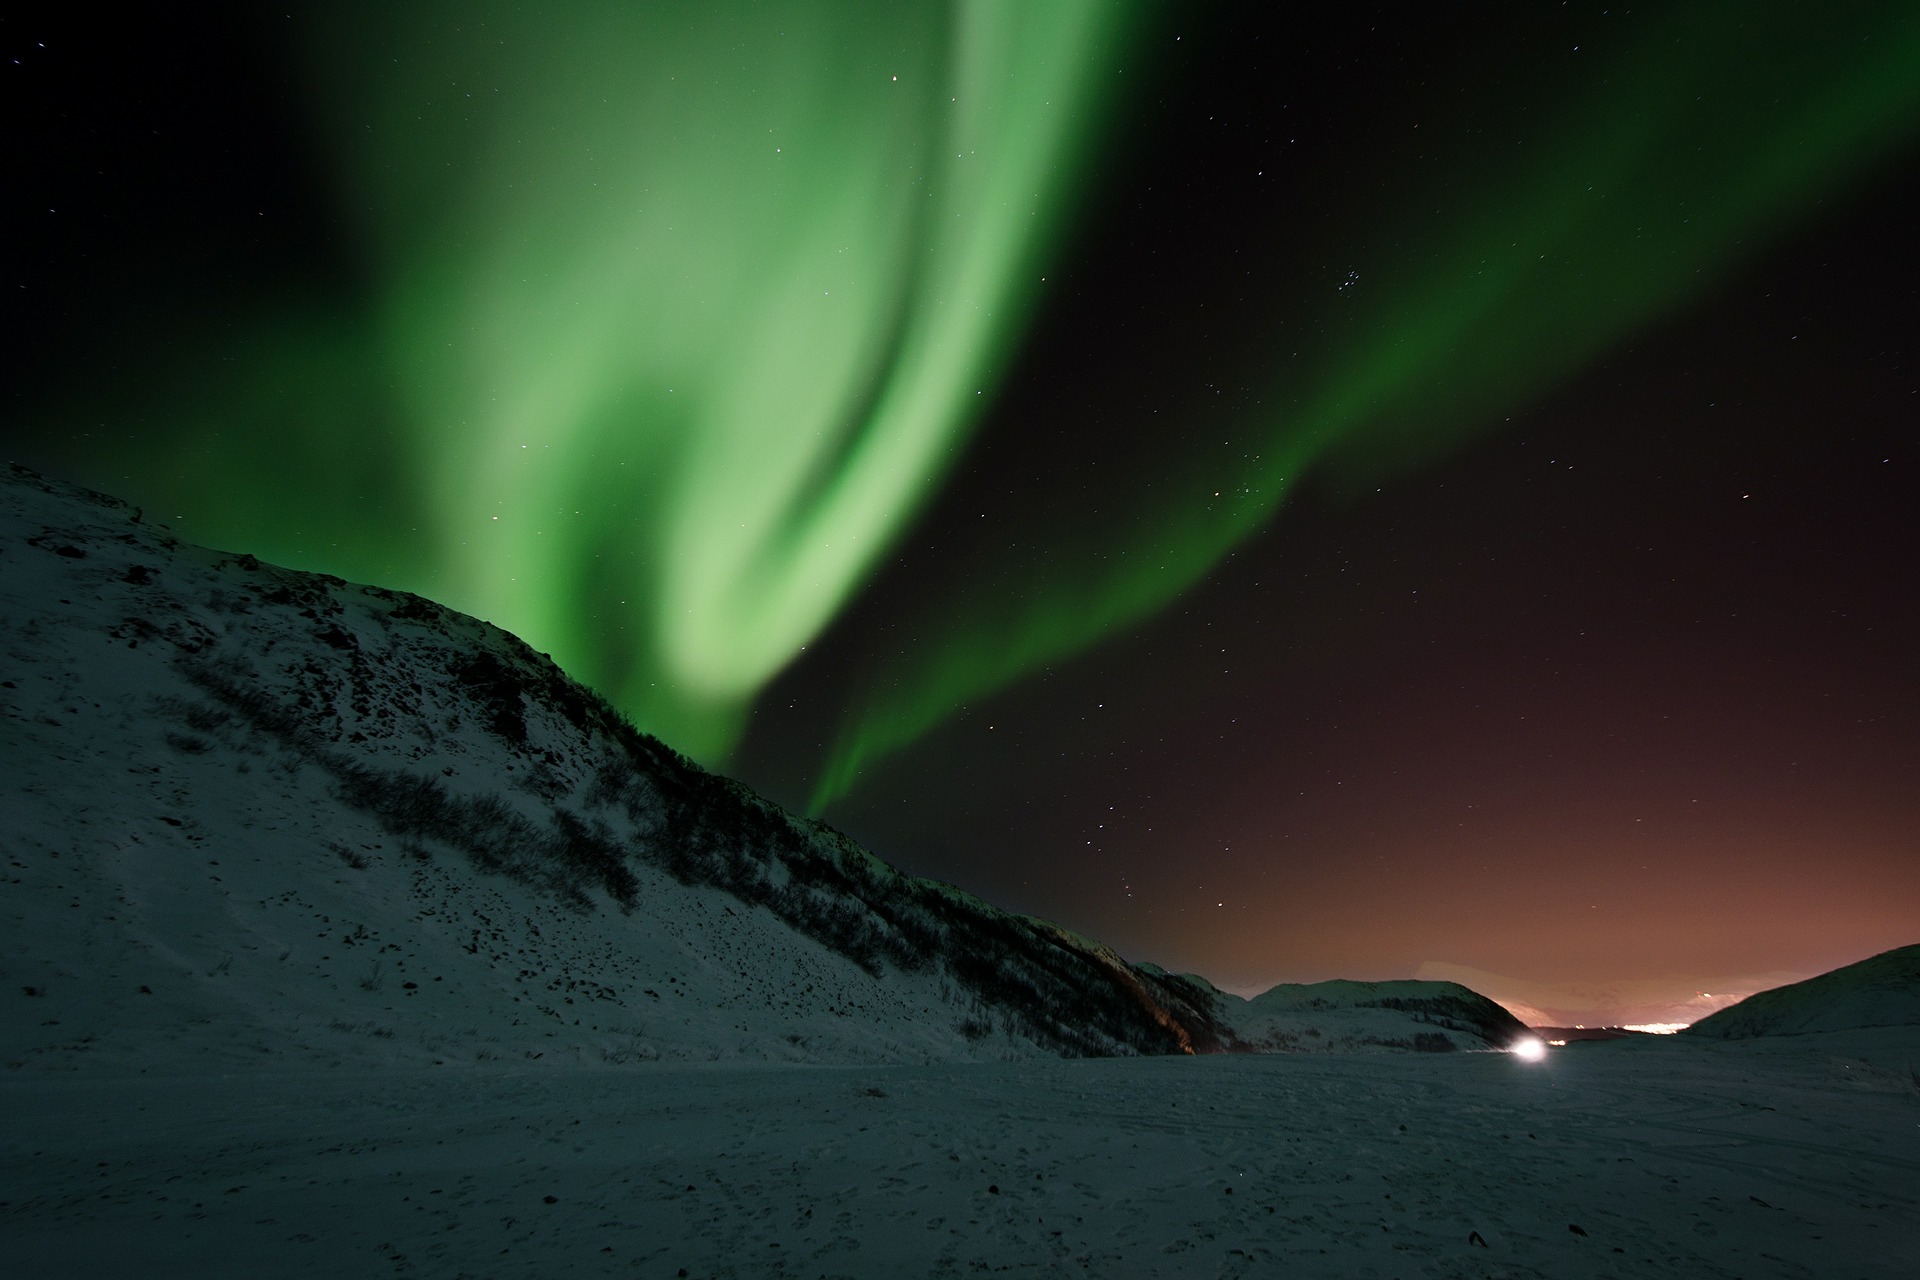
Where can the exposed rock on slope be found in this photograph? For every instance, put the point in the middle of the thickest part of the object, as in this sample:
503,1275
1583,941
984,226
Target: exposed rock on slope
1880,991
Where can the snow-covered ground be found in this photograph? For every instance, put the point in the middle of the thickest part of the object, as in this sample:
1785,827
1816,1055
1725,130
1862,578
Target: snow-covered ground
1798,1157
342,935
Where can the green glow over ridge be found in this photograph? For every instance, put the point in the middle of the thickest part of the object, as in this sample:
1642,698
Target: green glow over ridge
660,323
707,305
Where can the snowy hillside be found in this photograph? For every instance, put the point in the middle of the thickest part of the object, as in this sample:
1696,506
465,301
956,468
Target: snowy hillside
1880,991
1360,1017
255,814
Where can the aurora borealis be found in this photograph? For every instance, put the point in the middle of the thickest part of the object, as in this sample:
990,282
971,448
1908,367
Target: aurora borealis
1639,199
709,306
681,309
955,419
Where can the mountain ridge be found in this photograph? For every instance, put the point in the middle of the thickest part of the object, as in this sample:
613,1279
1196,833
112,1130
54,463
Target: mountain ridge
316,815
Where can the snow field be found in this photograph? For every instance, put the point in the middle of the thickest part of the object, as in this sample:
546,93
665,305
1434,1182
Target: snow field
1671,1159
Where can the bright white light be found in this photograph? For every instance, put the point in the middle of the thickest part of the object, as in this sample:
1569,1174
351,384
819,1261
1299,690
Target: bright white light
1658,1028
1528,1050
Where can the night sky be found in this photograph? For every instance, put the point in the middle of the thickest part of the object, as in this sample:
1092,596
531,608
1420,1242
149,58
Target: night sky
1290,494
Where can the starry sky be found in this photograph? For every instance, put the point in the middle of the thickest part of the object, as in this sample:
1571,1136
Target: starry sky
1290,494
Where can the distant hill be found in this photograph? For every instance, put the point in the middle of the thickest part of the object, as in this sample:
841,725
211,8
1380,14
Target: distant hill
1880,991
1349,1017
258,816
1581,1035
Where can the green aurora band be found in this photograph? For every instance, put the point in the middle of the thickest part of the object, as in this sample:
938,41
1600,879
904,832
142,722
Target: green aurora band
1663,168
670,317
714,304
678,313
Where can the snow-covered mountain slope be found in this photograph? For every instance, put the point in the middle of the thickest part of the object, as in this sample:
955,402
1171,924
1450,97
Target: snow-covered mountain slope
1355,1017
1880,991
257,816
